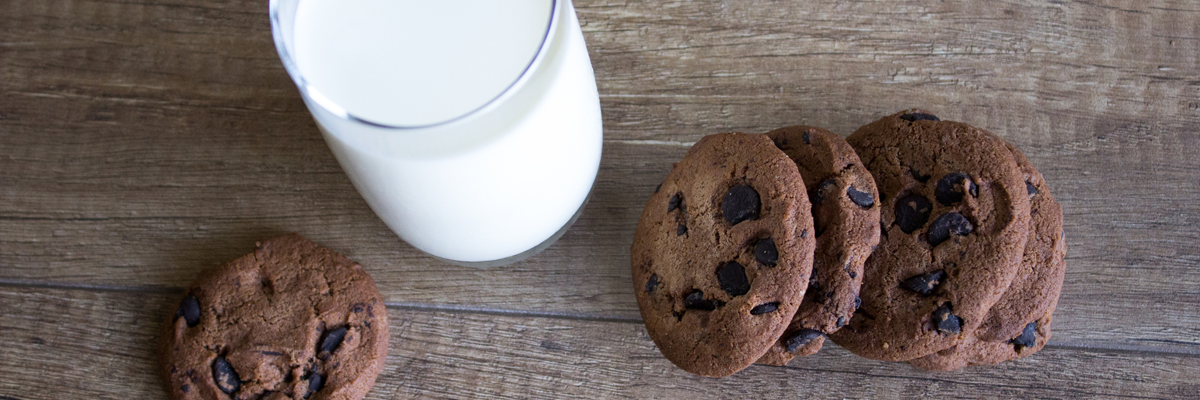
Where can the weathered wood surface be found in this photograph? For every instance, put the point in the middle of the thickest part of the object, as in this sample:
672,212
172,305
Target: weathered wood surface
143,142
52,333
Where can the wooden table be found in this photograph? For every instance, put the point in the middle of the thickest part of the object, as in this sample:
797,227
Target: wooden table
142,142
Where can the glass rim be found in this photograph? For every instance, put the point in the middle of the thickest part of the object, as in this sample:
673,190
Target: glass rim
309,91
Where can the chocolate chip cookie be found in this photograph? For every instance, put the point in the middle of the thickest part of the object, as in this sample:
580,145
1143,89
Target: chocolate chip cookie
1019,324
293,320
955,222
722,253
846,220
975,351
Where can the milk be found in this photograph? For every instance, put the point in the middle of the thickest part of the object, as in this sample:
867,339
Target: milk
416,63
470,136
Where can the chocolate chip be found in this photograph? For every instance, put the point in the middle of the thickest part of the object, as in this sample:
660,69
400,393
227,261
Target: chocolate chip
680,230
732,277
186,388
765,252
189,309
852,274
676,202
1030,188
857,302
315,383
924,283
912,212
817,195
740,204
841,321
330,341
950,188
652,283
657,187
695,300
807,139
913,117
1027,337
764,308
799,338
945,321
946,224
863,199
225,377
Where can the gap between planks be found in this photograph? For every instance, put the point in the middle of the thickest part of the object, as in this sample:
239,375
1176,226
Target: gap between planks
1184,350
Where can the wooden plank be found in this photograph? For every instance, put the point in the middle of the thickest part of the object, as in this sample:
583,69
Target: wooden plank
1033,69
681,69
100,344
195,226
143,142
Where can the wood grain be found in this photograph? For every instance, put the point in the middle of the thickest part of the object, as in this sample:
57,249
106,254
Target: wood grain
99,344
143,142
585,273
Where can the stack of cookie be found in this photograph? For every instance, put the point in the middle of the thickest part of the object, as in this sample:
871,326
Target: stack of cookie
941,246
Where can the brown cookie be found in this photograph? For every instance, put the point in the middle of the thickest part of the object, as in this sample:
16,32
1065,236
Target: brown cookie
1038,283
722,254
1019,324
293,320
975,351
846,220
955,220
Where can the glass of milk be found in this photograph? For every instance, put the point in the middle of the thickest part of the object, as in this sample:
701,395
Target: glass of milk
471,127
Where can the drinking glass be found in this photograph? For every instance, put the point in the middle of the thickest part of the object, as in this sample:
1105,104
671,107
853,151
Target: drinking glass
471,128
